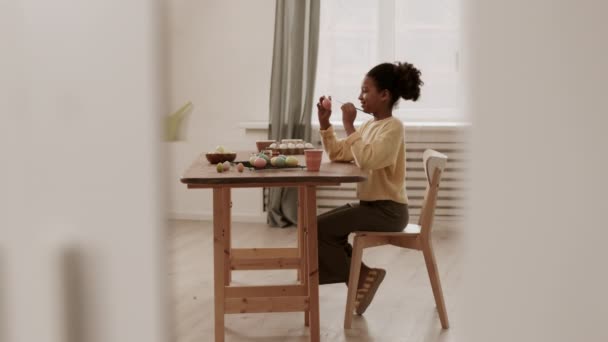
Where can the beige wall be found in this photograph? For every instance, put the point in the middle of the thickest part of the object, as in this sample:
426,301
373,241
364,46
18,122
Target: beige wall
81,247
220,59
536,268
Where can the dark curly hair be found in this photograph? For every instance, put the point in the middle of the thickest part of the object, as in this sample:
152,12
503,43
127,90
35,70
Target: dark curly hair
400,79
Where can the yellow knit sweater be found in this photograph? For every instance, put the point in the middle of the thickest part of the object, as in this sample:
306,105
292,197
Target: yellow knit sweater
379,148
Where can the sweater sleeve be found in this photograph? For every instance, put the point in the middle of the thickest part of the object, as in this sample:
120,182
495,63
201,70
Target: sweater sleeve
380,152
335,148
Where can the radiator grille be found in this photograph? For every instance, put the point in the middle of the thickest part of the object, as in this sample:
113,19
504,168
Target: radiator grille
454,182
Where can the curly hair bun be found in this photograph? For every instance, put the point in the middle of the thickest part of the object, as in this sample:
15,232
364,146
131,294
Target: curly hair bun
408,81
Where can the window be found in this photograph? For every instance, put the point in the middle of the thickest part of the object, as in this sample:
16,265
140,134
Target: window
355,35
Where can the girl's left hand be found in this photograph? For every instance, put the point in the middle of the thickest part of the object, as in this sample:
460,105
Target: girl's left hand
349,114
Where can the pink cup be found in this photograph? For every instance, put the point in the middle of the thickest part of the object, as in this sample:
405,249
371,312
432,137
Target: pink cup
313,159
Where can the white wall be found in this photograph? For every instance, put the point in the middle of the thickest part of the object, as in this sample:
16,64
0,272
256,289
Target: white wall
220,59
536,241
81,239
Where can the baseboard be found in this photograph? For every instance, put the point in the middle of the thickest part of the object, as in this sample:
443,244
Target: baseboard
440,223
448,224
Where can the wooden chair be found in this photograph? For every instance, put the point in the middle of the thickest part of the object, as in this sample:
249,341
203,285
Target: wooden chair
414,236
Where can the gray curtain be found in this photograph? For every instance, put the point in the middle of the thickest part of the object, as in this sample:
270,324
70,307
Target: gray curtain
294,66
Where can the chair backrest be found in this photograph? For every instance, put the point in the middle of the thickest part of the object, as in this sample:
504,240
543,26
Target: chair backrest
434,164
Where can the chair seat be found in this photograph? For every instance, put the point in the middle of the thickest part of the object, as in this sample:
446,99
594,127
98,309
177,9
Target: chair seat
411,229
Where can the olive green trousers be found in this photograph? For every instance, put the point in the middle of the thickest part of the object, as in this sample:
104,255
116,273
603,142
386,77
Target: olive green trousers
334,227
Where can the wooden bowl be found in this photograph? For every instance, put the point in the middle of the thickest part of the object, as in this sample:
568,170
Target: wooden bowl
263,144
215,158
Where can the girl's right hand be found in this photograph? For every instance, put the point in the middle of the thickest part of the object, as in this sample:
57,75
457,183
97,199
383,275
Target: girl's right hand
324,114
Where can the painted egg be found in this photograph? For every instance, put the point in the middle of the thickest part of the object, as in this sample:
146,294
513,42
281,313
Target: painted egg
280,161
291,161
240,167
326,103
226,165
262,155
259,163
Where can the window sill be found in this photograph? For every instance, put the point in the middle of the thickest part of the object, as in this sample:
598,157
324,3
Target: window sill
263,125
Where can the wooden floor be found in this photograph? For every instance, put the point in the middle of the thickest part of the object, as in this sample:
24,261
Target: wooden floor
403,310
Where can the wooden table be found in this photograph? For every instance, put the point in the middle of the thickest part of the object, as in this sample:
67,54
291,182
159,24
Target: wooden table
272,298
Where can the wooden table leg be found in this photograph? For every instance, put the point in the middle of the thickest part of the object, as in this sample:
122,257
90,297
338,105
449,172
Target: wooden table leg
302,245
227,242
313,261
221,230
301,234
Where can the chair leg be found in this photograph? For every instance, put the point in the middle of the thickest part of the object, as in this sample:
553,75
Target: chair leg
431,266
353,280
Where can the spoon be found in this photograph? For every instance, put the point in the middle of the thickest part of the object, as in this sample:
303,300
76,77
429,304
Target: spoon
359,109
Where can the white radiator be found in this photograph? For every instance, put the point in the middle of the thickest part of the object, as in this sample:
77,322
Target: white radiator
449,140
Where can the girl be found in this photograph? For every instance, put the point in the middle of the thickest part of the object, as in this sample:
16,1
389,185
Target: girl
378,147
